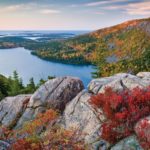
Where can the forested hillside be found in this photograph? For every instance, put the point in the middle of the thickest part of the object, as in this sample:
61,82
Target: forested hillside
121,48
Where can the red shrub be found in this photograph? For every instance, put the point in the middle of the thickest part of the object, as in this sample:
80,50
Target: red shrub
142,130
123,110
24,144
52,139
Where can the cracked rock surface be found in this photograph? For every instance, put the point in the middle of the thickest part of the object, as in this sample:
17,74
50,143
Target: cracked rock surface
56,93
80,115
11,109
120,82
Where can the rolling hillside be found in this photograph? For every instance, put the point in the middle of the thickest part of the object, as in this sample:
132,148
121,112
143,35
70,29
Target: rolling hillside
121,48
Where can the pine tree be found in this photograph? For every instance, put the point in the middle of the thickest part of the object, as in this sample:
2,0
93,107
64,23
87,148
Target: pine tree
15,87
31,86
3,87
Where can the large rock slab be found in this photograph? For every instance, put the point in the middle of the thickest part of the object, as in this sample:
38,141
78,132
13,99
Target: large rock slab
81,116
11,108
120,82
55,93
129,143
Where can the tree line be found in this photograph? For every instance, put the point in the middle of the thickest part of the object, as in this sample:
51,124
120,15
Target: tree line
13,85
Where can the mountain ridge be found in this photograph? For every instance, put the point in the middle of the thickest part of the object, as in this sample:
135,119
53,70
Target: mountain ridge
126,43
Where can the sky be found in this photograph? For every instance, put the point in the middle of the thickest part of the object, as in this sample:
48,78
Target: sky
69,14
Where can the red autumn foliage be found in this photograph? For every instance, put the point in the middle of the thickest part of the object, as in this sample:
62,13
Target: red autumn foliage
143,132
59,138
122,110
24,144
42,120
55,139
4,133
33,135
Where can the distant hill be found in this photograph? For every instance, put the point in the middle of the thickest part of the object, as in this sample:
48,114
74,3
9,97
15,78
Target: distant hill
121,48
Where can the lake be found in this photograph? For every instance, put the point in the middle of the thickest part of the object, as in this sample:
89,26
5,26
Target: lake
28,66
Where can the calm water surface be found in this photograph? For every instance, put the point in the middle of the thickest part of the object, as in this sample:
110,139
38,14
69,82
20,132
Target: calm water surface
29,66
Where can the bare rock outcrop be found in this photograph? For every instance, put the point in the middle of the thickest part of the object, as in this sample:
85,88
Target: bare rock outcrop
11,109
80,115
55,93
120,82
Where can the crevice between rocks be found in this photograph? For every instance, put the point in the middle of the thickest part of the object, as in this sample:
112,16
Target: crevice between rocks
77,102
19,114
3,117
54,88
93,110
122,84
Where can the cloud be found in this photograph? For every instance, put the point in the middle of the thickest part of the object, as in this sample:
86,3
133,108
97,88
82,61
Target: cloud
114,7
96,3
141,8
19,7
49,11
32,7
91,4
98,13
12,8
73,5
136,8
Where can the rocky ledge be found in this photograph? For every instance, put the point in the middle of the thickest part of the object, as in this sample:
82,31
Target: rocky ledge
67,94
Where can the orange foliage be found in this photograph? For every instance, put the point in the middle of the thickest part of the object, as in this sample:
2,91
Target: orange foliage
42,120
53,138
24,144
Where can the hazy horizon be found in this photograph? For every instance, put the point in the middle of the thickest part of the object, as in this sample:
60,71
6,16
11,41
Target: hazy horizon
63,30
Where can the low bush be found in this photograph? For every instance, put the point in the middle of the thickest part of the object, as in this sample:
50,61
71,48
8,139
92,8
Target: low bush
122,110
43,134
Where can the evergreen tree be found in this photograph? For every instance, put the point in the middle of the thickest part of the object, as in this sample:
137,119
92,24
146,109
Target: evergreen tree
21,83
3,87
15,85
31,86
15,76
